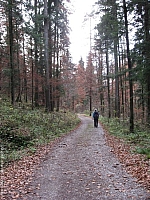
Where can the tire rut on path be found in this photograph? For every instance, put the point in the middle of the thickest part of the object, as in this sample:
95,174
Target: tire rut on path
82,166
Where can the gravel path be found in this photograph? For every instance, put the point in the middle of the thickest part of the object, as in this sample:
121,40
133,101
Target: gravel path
83,167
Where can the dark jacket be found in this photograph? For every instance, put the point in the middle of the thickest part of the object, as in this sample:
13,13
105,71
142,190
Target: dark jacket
95,115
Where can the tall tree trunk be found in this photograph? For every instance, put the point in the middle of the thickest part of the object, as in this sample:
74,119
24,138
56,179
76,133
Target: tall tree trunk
147,54
121,84
32,76
18,99
143,107
55,58
24,72
50,57
130,69
108,82
36,94
100,78
90,91
46,25
117,99
57,66
11,54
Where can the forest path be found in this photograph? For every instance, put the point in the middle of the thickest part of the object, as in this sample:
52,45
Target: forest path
82,166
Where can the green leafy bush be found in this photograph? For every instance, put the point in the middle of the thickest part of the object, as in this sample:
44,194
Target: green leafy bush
140,139
22,129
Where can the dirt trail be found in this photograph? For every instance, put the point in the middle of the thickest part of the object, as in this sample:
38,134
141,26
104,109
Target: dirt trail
83,167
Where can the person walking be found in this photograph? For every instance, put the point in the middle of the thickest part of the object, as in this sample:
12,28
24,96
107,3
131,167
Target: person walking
95,117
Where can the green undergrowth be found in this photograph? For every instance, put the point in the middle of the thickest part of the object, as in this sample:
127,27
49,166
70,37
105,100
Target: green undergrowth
22,130
140,139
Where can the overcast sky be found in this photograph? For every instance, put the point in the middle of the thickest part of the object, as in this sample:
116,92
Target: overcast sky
80,34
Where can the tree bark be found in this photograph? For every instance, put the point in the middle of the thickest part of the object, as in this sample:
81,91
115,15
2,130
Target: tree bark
47,87
117,98
130,69
108,82
36,94
11,55
147,54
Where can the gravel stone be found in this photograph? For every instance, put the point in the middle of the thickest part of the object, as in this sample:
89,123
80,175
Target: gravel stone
82,166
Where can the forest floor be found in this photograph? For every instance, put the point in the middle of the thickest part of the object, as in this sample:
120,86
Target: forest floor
87,163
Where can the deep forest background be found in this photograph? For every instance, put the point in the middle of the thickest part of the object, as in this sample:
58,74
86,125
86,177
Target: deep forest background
36,68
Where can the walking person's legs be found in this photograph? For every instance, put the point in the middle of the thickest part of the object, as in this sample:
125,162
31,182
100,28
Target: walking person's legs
94,122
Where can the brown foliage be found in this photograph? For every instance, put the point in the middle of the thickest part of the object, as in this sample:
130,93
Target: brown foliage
135,164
